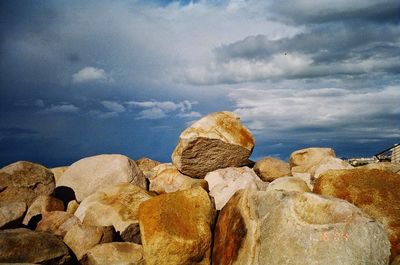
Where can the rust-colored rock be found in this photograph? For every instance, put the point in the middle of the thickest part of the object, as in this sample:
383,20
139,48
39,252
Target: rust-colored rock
216,141
376,192
176,228
57,222
270,168
41,204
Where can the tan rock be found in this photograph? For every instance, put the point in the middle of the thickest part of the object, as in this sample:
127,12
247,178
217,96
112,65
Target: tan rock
216,141
57,222
72,206
92,173
81,238
58,171
223,183
396,261
176,228
270,168
392,167
115,205
121,253
41,204
308,159
376,192
11,214
167,178
24,181
146,165
289,184
280,227
25,246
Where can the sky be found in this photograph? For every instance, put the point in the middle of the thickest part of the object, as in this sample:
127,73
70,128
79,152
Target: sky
81,78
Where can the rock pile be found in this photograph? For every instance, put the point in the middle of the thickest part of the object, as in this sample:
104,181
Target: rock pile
209,206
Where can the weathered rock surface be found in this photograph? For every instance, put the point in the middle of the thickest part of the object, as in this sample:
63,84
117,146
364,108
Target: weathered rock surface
146,165
223,183
374,191
11,214
279,227
216,141
270,168
41,204
92,173
25,246
392,167
115,205
58,171
307,160
72,207
81,238
121,253
57,222
289,184
167,178
24,181
396,261
176,228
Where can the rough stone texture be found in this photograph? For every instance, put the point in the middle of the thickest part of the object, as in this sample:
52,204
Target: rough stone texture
115,253
58,171
43,203
24,181
25,246
72,207
167,178
223,183
176,228
216,141
376,192
396,261
81,238
57,222
92,173
11,214
289,184
146,165
115,205
270,168
279,227
392,167
307,160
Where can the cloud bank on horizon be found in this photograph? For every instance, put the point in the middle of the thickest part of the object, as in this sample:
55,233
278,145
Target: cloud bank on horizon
82,78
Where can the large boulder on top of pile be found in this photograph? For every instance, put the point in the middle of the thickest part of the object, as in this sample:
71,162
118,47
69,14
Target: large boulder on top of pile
92,173
24,181
216,141
167,178
270,168
25,246
223,183
121,253
279,227
376,192
146,165
114,205
176,228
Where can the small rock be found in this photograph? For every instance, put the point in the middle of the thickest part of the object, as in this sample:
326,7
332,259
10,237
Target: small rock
121,253
57,222
289,184
146,165
270,168
11,214
41,204
72,206
176,228
223,183
308,159
216,141
92,173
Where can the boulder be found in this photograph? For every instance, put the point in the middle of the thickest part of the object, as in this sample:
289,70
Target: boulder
280,227
216,141
25,246
308,159
115,205
41,204
376,192
72,206
92,173
176,228
388,166
223,183
289,184
146,165
58,171
270,168
57,222
167,178
24,181
11,214
396,261
121,253
81,238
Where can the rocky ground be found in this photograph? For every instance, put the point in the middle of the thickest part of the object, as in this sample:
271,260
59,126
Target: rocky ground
211,205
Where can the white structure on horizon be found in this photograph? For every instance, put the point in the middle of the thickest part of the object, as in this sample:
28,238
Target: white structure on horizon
396,153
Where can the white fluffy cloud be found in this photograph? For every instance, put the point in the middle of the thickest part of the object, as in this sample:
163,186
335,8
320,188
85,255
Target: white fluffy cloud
161,109
62,108
90,74
113,106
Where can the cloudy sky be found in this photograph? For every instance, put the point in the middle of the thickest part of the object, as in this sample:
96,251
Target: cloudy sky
80,78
